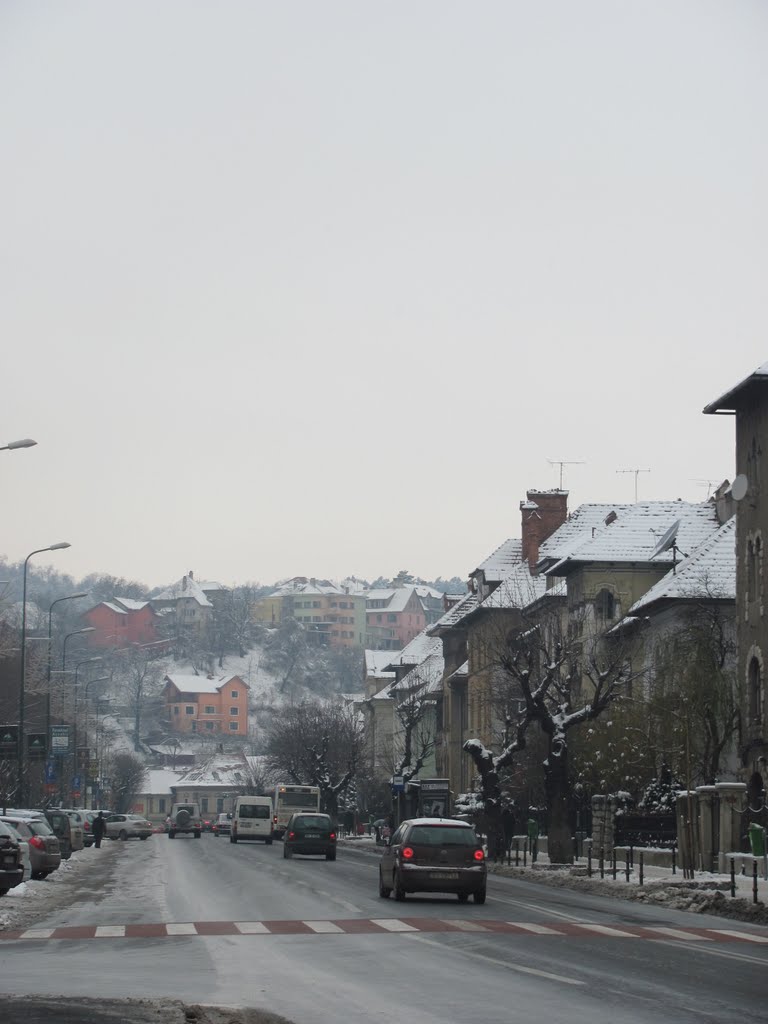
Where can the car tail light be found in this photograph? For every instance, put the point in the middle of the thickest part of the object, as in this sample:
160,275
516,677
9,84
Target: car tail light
332,835
291,835
479,855
37,842
407,853
274,820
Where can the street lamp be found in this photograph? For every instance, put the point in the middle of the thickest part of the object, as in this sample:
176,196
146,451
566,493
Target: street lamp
25,442
21,751
87,766
75,632
69,597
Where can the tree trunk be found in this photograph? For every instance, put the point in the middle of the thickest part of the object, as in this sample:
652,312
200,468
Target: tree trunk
558,790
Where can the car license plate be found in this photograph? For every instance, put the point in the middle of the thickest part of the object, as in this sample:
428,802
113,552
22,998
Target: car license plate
9,860
444,875
311,835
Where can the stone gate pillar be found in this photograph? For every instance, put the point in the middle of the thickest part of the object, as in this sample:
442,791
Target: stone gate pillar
733,799
603,814
707,800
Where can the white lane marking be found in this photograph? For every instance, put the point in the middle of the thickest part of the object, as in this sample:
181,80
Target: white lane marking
465,926
37,933
181,929
540,910
342,903
537,929
393,924
110,931
747,936
498,963
674,933
251,928
711,951
602,929
323,927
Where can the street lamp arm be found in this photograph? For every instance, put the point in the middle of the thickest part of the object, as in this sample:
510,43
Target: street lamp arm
25,442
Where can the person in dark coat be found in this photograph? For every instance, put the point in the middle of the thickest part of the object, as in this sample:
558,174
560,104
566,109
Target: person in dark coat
99,828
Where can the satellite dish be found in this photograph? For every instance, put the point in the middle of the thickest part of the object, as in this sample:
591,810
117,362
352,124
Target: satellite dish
668,540
739,487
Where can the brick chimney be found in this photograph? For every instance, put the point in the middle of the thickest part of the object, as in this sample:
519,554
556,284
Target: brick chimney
542,513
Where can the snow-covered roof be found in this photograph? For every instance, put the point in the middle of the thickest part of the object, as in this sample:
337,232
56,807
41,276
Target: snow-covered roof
499,562
129,604
185,587
634,534
301,585
211,585
220,770
427,677
200,684
727,402
454,615
395,598
708,573
462,670
114,607
417,650
581,525
517,589
376,663
158,781
424,591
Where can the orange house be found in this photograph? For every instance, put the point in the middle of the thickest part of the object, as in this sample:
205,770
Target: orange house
207,704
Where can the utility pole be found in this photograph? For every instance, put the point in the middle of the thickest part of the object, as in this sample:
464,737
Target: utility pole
565,462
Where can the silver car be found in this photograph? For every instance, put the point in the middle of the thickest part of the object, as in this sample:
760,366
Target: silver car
128,826
44,847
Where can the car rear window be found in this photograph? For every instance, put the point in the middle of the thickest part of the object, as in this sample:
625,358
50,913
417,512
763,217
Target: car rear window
442,835
5,831
312,821
254,811
39,828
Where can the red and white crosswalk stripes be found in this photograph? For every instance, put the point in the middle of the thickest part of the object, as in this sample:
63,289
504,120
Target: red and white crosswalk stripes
383,926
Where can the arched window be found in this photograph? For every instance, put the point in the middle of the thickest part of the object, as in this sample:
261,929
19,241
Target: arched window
755,687
605,605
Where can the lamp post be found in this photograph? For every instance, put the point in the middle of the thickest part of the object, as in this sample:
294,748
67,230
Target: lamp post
69,597
25,442
87,767
75,632
21,748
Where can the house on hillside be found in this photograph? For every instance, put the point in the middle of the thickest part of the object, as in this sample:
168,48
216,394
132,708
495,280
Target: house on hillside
748,401
206,704
185,606
121,622
393,617
330,614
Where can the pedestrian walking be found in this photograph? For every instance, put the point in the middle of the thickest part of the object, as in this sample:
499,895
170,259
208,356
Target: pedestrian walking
99,828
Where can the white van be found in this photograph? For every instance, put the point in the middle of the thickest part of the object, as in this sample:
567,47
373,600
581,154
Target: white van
252,819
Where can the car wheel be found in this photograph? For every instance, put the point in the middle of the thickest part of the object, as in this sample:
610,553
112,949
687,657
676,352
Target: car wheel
479,897
287,852
3,892
197,835
331,855
383,890
171,835
463,897
233,839
398,887
268,842
142,838
123,834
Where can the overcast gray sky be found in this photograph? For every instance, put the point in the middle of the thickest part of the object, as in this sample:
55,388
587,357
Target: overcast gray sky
318,287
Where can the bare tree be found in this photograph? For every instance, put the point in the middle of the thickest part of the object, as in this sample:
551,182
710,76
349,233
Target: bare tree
139,676
127,773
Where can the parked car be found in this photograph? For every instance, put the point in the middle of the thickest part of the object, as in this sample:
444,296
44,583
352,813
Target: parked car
66,829
25,861
44,847
434,855
223,825
207,824
185,818
308,833
11,869
128,826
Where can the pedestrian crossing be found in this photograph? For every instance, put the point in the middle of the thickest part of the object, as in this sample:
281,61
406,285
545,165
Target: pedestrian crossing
384,926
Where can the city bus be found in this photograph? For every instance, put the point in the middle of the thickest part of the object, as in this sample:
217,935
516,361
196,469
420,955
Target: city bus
290,799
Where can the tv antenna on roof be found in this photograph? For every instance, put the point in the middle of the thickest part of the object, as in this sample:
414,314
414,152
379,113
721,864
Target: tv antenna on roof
709,484
637,473
565,462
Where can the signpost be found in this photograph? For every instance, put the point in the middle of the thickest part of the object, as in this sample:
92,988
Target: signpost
60,740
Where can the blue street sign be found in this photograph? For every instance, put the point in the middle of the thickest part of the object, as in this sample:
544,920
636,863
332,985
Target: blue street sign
50,772
76,783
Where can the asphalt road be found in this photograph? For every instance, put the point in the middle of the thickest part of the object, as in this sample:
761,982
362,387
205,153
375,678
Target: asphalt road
209,922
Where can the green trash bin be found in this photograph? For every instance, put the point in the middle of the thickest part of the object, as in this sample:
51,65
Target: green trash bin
757,840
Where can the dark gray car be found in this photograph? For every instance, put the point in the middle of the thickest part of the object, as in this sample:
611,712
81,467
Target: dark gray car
11,868
310,834
433,855
44,847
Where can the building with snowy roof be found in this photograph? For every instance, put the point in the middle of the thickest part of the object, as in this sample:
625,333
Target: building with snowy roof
748,402
120,622
331,615
185,604
208,705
